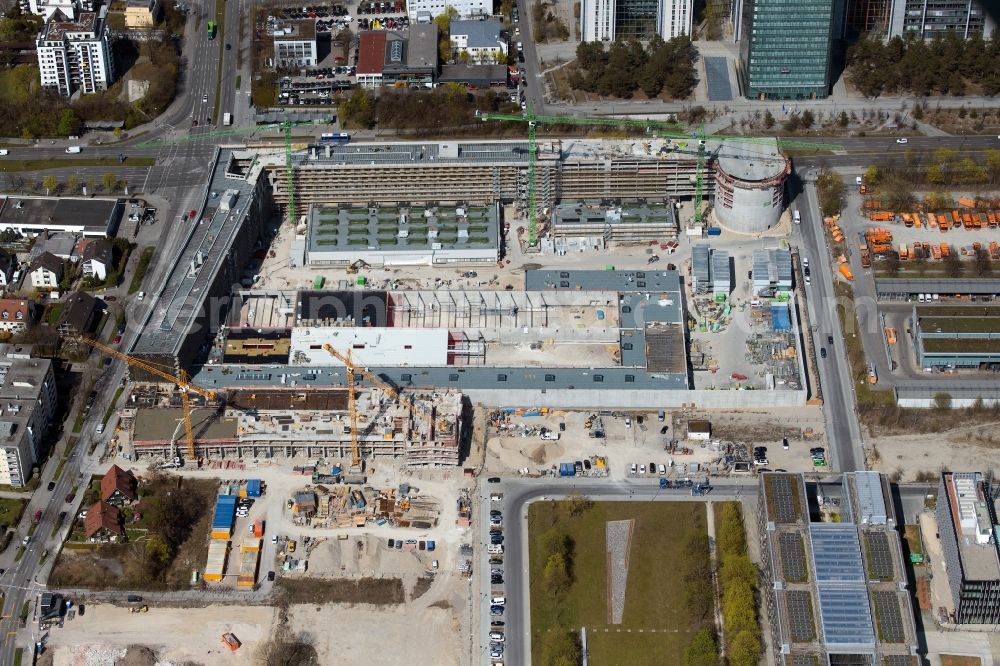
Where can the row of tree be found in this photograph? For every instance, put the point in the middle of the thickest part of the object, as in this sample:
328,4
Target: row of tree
738,580
830,188
626,66
947,65
447,107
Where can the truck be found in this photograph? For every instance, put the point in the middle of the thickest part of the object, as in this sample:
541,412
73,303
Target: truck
845,271
258,527
227,119
72,150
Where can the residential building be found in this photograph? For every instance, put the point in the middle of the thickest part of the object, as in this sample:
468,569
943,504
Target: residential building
62,245
46,271
676,18
834,590
118,487
8,264
96,258
15,314
608,20
103,522
424,11
295,44
46,8
966,520
933,18
390,57
75,55
141,14
77,314
477,42
28,402
785,48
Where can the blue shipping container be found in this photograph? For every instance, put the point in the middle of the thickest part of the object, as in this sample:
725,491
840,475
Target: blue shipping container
715,231
430,545
567,469
253,488
225,512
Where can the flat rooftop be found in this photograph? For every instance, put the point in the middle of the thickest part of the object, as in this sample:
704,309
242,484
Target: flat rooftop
160,424
411,153
402,229
295,31
96,216
633,215
667,282
753,162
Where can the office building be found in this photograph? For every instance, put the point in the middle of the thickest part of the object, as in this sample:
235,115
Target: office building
392,57
480,41
27,405
834,591
295,44
424,11
608,20
967,520
934,18
76,55
785,48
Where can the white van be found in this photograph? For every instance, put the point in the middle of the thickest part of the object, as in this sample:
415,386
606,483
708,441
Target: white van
4,152
496,549
496,497
796,217
551,435
921,298
498,601
72,150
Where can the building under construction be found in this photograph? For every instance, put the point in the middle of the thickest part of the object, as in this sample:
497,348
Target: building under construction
386,429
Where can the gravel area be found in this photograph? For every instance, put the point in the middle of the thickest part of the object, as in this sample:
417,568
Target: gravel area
618,534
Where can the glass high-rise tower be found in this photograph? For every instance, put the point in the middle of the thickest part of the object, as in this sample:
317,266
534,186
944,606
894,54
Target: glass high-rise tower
785,48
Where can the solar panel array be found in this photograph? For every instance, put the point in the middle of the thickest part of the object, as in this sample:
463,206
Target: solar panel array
793,558
898,660
879,553
837,552
802,625
803,660
888,616
783,499
845,615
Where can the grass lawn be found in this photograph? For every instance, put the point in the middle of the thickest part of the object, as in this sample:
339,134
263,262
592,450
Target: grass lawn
952,660
140,269
109,162
654,600
53,316
866,395
911,533
10,511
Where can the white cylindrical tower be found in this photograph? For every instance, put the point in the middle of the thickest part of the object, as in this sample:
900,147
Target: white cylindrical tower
750,185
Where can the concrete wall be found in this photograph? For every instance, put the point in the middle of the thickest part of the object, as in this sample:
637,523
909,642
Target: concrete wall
753,211
388,257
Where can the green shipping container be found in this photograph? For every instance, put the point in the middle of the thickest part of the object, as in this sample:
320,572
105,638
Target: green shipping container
916,558
361,281
319,282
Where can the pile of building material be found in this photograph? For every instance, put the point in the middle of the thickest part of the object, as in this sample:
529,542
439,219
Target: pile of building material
249,563
340,505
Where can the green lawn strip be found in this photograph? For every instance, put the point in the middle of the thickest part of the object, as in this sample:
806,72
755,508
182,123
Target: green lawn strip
109,162
652,600
18,656
10,511
111,406
59,469
865,394
140,269
239,80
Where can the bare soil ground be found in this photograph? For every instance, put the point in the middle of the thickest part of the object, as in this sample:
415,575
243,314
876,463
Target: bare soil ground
916,457
175,635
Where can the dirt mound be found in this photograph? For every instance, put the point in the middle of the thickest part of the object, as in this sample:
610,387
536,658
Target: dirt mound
138,655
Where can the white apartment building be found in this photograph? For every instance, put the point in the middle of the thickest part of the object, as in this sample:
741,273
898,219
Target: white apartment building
423,11
479,40
607,20
676,18
295,44
46,8
76,55
27,404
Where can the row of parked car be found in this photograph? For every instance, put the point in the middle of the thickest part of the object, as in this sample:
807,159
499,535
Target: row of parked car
641,469
382,7
498,600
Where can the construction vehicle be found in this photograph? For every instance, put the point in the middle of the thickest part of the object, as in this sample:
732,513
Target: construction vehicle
700,489
845,271
138,609
872,376
666,130
230,641
352,401
866,259
180,379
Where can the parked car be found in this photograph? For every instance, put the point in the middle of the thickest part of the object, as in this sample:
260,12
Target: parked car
51,486
822,352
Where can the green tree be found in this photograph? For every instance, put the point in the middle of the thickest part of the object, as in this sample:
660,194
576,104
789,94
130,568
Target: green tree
743,649
984,265
557,578
808,119
942,401
69,124
444,19
768,119
843,121
73,184
358,110
109,180
703,650
739,610
556,542
578,504
873,176
49,183
559,647
737,568
952,265
830,187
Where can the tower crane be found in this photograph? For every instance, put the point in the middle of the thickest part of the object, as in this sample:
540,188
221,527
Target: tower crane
385,386
658,128
180,379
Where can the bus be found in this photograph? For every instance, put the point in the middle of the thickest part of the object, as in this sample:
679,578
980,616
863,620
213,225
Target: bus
335,137
211,29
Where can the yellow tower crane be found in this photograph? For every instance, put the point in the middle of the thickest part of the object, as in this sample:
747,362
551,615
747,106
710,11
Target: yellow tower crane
180,379
385,386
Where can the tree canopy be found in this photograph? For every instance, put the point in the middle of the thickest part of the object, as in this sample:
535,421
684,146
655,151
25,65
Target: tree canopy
627,66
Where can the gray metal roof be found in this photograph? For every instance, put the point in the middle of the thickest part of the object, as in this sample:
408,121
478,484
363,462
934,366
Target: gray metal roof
870,501
615,378
417,154
721,273
936,286
479,34
700,267
958,389
94,215
637,310
620,281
